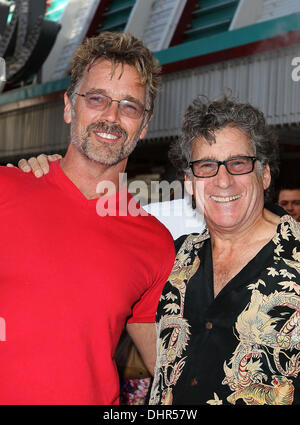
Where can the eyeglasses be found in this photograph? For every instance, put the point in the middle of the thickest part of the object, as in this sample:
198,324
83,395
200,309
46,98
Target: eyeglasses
235,166
101,102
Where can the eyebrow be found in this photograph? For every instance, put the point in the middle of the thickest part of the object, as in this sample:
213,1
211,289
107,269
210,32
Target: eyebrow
211,158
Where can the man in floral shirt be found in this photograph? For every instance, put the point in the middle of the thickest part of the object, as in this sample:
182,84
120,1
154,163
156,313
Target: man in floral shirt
228,319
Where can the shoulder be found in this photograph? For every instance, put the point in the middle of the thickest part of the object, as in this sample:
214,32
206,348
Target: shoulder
12,172
14,182
148,230
9,171
178,242
11,177
294,228
157,242
159,231
287,242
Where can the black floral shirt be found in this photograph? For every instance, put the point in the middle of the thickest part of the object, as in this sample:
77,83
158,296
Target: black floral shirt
242,347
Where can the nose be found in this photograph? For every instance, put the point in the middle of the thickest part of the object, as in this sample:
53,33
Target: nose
111,113
223,178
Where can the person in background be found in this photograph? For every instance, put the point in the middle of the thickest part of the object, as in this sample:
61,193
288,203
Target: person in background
228,318
289,199
65,299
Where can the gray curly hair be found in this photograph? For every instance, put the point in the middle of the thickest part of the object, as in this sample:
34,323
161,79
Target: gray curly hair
203,118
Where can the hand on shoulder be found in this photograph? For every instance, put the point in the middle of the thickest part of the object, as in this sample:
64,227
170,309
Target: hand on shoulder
39,165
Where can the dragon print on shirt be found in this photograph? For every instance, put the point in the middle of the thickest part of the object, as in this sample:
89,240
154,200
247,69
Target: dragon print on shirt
265,363
276,337
258,337
170,348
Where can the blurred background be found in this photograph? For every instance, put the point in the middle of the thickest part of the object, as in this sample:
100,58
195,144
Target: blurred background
247,48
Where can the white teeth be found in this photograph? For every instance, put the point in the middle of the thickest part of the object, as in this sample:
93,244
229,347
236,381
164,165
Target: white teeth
227,199
107,136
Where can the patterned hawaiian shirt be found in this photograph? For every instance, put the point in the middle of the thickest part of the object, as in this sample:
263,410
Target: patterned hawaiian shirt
242,347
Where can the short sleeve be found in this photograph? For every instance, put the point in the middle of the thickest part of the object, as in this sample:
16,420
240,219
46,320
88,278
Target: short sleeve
144,310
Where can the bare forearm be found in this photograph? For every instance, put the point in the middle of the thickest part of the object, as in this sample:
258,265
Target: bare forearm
144,338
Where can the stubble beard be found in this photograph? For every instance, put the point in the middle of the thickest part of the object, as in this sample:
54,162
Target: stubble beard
101,152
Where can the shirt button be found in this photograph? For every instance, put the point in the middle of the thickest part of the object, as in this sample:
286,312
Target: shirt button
208,325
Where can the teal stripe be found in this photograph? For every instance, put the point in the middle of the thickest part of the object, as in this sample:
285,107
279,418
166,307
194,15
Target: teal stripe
34,91
230,39
215,43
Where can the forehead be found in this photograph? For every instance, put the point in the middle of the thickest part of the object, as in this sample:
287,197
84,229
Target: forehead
230,141
121,78
289,194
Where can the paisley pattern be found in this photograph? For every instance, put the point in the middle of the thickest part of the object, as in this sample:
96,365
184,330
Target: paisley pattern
265,337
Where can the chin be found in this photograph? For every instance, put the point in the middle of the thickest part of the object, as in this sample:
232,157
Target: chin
222,219
100,156
104,161
224,224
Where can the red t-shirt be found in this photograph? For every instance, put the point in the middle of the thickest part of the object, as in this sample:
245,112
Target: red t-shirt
69,280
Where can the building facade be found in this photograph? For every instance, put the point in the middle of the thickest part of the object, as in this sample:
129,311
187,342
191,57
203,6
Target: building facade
249,49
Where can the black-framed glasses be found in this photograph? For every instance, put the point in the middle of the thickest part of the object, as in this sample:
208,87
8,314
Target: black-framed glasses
236,166
101,102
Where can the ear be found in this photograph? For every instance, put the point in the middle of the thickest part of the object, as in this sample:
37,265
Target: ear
188,184
67,109
266,177
145,126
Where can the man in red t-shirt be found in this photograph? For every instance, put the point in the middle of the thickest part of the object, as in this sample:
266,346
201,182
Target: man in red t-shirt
66,298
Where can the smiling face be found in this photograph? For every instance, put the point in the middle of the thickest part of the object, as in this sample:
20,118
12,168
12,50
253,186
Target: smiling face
106,137
229,202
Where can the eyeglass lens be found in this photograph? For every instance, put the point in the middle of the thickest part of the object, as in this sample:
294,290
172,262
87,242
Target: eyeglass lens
126,107
239,165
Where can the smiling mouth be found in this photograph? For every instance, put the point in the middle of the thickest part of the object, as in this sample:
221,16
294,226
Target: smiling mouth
225,199
107,136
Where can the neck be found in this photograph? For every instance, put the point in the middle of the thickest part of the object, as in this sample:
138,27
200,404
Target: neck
87,174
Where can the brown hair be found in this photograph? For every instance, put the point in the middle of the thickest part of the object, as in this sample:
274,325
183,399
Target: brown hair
118,48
